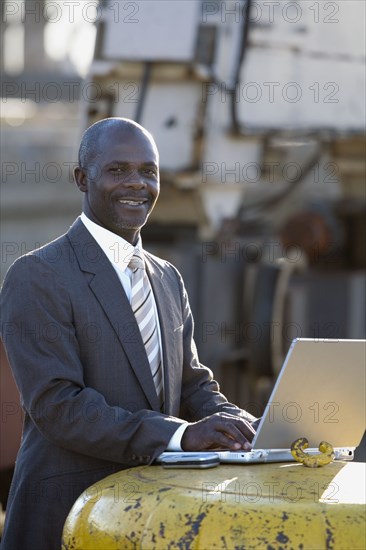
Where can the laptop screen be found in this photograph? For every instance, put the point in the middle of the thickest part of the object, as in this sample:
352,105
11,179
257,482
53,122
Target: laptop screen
319,394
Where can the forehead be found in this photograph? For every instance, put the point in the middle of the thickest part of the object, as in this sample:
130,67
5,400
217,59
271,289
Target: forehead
127,145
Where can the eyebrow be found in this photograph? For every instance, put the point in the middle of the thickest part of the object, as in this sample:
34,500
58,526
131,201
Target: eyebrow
129,163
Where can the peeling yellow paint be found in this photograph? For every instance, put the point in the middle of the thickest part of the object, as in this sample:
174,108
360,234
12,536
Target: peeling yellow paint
230,507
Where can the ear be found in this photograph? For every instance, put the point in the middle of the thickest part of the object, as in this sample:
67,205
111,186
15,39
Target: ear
81,179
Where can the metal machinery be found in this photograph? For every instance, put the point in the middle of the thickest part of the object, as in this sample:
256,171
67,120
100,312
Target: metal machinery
257,109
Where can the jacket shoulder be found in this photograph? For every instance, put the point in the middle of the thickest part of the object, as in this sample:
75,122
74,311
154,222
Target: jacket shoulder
162,265
46,257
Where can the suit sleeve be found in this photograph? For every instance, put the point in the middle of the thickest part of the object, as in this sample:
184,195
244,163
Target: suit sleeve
39,336
201,395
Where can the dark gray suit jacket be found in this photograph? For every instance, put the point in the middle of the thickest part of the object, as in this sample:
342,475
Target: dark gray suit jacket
79,362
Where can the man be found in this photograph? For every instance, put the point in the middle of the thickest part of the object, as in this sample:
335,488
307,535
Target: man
96,398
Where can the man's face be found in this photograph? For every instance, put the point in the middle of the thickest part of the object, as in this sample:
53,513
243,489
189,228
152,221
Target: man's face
121,184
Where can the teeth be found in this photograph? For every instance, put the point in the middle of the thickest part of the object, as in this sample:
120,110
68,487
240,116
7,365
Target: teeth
131,203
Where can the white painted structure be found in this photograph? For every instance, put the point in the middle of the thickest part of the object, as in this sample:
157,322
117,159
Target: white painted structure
180,68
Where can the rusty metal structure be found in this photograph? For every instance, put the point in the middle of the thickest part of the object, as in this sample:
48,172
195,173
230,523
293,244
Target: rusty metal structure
254,114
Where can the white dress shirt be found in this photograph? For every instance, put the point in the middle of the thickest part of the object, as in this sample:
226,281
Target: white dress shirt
119,252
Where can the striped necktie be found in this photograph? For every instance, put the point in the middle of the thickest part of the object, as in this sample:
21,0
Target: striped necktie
143,308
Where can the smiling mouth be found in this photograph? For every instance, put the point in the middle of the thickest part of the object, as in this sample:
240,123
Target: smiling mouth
132,202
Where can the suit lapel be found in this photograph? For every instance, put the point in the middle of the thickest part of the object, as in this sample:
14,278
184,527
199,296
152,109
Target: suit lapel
109,292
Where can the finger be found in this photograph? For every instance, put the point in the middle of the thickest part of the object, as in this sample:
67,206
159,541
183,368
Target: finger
224,442
234,433
219,430
243,425
249,429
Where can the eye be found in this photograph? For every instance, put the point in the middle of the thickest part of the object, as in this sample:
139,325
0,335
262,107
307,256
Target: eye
118,172
118,169
150,171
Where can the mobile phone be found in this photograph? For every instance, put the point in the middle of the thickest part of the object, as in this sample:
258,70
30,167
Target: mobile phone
189,460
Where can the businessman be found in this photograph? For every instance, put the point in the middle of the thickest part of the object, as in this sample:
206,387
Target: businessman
99,335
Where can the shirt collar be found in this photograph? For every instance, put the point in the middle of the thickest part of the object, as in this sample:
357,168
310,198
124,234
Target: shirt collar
118,250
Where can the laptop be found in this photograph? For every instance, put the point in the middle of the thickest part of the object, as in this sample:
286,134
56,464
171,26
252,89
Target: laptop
319,394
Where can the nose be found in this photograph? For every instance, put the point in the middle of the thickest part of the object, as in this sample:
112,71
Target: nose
134,179
135,183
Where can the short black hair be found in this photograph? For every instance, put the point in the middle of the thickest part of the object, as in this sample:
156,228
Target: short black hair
89,145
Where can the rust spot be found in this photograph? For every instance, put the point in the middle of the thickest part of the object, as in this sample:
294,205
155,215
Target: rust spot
137,505
329,541
164,489
162,530
70,544
281,537
185,542
195,524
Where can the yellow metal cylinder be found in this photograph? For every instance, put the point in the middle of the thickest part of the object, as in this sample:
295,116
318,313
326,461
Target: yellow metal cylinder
268,506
